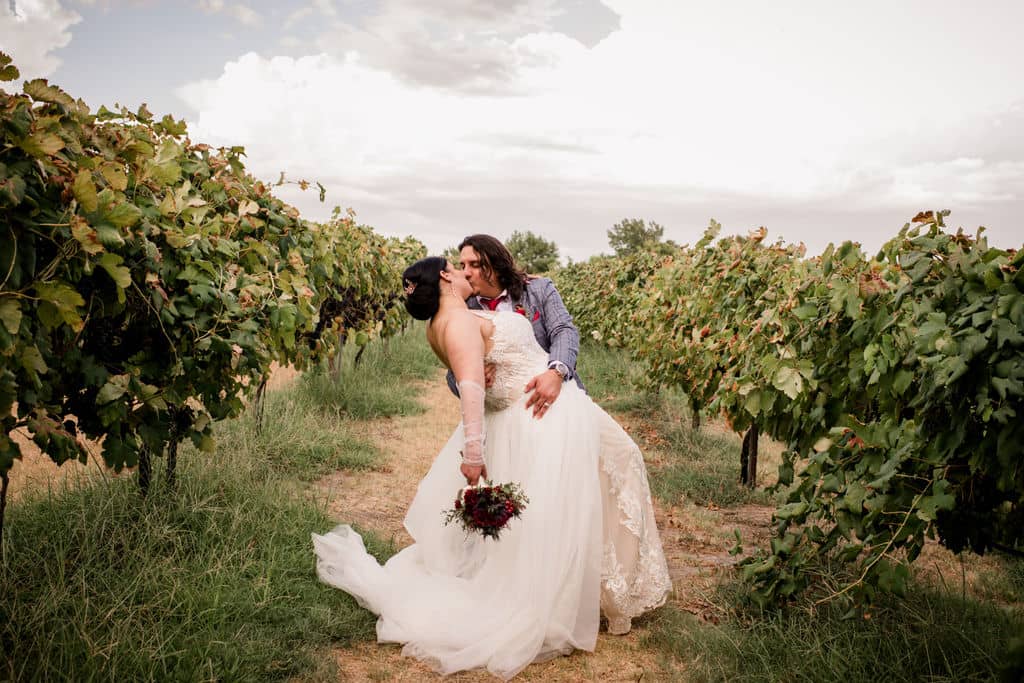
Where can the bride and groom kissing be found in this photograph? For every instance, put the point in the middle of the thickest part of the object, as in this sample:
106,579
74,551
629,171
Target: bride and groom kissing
587,544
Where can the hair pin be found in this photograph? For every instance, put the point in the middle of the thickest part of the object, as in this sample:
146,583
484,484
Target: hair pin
410,287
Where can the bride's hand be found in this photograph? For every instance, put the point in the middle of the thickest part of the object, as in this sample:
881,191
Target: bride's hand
489,374
472,473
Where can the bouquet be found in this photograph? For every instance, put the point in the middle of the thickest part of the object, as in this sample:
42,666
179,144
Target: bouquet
487,507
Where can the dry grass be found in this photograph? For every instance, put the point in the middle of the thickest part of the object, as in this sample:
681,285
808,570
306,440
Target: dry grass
35,470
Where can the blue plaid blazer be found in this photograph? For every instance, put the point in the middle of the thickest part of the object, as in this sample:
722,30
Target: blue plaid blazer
552,324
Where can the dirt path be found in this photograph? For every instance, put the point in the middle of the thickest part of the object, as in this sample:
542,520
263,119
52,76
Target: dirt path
696,542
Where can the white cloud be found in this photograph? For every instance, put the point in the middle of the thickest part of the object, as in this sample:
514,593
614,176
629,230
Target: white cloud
30,32
462,45
297,16
962,181
238,11
663,119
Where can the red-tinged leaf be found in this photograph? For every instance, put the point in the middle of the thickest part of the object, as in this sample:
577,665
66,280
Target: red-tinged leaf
86,235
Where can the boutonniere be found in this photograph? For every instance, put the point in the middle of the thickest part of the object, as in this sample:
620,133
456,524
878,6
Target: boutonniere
522,311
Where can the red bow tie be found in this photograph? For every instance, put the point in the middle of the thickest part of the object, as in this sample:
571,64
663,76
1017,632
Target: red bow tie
492,303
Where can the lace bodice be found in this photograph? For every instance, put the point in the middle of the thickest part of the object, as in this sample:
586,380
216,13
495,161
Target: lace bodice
516,355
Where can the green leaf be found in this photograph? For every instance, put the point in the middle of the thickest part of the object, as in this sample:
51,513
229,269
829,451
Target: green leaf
9,452
752,403
124,215
12,191
786,472
790,510
115,176
940,499
172,127
853,497
992,279
113,389
788,381
901,381
204,442
150,395
42,145
40,90
10,314
109,235
8,72
65,300
805,312
892,577
32,360
84,190
164,168
118,273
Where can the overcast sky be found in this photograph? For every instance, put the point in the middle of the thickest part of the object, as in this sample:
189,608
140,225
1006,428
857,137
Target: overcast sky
440,118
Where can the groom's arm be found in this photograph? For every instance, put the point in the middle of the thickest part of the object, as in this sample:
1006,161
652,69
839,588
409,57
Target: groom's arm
564,337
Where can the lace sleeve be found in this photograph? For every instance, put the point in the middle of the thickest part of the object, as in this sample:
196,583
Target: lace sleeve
471,396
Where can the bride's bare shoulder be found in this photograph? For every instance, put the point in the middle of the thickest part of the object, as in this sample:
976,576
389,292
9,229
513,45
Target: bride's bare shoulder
457,324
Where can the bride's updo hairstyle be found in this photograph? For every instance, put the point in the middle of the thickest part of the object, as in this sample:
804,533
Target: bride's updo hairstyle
422,283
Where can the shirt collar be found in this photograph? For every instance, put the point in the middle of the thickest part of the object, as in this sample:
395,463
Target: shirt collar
504,293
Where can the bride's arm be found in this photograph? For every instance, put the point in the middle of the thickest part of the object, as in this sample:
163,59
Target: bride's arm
464,347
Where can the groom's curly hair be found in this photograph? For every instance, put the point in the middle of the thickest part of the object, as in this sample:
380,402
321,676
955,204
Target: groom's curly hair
497,259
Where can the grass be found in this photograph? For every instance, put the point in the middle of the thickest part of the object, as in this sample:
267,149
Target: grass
215,581
1004,583
379,385
298,439
612,378
701,466
931,635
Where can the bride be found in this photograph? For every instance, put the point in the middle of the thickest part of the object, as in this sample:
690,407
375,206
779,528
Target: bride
585,544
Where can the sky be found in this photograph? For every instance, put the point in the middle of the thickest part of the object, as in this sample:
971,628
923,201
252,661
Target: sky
820,121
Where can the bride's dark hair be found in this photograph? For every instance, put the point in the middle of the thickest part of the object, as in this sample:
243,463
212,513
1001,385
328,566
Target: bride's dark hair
422,283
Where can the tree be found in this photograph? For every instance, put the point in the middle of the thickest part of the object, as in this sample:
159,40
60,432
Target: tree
532,253
451,254
632,234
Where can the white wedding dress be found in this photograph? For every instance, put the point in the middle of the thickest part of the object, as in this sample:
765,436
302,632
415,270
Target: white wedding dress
586,541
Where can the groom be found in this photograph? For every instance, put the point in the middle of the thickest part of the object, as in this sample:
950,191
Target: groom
499,286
